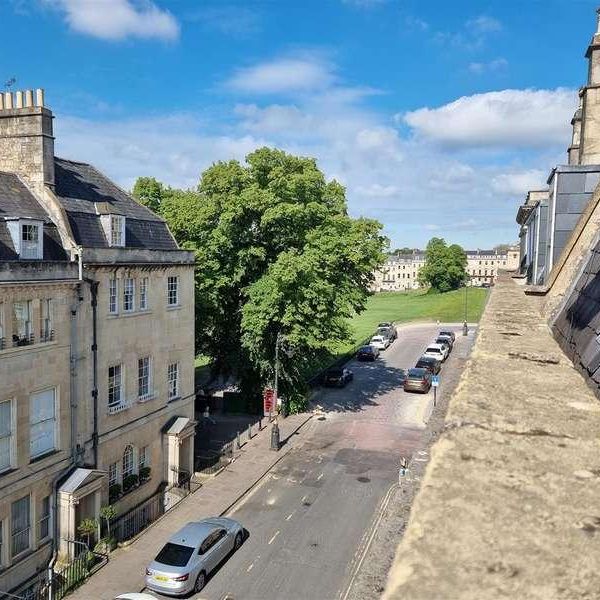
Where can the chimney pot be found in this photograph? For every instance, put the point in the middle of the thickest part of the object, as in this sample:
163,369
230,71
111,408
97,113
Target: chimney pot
28,98
19,99
8,100
39,97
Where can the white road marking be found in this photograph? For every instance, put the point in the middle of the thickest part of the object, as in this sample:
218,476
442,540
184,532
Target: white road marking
320,477
290,516
250,568
273,538
303,499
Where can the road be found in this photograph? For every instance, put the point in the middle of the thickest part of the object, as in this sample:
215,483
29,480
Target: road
311,518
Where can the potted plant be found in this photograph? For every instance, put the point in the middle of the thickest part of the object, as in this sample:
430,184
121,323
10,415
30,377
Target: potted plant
130,482
114,492
108,513
145,473
88,528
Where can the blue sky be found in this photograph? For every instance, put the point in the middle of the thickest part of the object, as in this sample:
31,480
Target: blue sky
437,116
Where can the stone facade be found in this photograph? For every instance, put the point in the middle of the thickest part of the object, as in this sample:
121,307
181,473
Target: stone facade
97,350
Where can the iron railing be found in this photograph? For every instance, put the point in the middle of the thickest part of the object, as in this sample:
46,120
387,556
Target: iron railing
47,335
26,340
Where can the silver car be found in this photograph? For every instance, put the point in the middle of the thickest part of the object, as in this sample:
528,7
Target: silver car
186,560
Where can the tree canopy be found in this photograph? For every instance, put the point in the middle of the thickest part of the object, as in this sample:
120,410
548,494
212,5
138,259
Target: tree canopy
445,266
149,192
277,254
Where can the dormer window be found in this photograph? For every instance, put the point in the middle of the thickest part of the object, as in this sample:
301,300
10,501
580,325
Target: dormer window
117,230
27,237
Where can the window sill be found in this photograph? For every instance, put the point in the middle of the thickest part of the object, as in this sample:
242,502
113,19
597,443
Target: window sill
125,315
147,398
8,471
174,399
117,408
48,454
173,306
21,349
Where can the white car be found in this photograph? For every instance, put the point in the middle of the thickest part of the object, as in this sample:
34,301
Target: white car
438,351
135,596
380,342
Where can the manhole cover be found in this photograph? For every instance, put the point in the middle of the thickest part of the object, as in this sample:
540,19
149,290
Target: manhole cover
363,479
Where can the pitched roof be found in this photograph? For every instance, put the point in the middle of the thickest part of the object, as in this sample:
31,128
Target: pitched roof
85,192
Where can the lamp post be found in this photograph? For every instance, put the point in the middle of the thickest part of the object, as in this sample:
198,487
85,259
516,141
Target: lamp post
275,437
465,326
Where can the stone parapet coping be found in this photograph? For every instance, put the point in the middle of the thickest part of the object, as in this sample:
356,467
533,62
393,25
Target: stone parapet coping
508,507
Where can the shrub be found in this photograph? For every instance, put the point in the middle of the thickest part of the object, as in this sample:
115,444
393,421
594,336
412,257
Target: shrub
130,482
114,492
145,473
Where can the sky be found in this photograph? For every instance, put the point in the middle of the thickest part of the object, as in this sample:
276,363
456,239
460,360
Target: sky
437,116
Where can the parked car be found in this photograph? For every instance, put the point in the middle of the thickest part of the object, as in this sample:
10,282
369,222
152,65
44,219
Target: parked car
417,380
389,324
444,341
449,334
387,333
186,560
447,339
338,377
380,342
401,376
367,353
433,365
437,351
135,596
388,328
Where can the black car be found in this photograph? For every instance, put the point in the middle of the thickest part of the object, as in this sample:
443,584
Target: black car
367,353
338,377
433,365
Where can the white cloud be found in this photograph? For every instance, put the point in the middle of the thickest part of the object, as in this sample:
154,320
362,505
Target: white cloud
479,68
283,75
118,19
375,190
523,118
233,20
520,182
484,25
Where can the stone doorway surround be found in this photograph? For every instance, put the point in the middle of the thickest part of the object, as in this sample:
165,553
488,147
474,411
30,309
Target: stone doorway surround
179,433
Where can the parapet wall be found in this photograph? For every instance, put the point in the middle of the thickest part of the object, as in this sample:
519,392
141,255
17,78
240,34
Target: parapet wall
508,507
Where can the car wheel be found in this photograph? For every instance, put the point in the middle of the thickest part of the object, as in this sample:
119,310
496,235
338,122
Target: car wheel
200,582
238,541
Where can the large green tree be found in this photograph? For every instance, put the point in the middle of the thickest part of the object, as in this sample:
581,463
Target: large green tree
149,192
445,266
277,257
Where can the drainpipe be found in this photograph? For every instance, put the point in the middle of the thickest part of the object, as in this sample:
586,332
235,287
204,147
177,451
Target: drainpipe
94,302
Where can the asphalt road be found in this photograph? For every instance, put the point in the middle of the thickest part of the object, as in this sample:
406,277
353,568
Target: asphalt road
311,518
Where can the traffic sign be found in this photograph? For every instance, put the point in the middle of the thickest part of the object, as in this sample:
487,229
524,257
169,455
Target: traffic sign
435,381
268,401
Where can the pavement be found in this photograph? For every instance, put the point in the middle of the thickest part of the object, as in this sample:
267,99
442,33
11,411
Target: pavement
312,509
126,567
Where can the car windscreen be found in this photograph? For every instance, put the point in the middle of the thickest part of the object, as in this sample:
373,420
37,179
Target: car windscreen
433,350
174,555
377,339
335,373
416,373
366,349
446,333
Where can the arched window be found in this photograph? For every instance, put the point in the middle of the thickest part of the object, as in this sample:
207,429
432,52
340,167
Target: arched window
128,461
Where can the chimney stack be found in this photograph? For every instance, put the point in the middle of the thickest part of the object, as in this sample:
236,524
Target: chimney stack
26,138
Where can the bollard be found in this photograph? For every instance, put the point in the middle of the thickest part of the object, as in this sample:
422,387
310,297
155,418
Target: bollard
465,328
249,431
260,424
239,443
275,436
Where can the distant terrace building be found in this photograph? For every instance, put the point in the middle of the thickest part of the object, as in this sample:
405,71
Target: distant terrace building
96,346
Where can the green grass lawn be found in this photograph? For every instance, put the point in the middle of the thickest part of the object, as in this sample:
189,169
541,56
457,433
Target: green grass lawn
403,307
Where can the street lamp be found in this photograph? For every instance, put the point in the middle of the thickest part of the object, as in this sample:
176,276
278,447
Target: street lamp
465,325
279,343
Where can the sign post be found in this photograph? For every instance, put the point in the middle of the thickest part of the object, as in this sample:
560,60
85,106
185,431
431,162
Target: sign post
435,382
268,402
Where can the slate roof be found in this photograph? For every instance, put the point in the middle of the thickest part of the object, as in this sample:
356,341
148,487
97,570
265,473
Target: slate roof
81,188
16,201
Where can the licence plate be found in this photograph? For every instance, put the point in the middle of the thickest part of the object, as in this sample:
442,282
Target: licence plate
161,578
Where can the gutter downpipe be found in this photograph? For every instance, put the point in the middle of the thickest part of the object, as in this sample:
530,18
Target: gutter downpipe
94,302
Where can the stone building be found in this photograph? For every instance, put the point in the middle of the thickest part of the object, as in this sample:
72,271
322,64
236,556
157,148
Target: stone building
97,318
401,271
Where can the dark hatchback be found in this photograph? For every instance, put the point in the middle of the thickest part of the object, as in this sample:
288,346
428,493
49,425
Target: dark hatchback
417,380
367,353
337,377
433,365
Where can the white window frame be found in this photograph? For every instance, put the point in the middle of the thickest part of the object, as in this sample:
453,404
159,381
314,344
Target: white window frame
46,319
28,323
118,387
117,231
148,378
113,474
45,519
113,296
173,290
30,240
144,293
173,381
143,458
9,438
128,466
22,531
128,294
43,422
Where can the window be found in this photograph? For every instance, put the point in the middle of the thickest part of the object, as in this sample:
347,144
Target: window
30,236
113,297
6,433
144,294
1,542
45,518
172,291
42,423
22,328
112,474
144,457
46,332
117,230
128,295
173,380
114,385
127,461
20,524
1,325
144,390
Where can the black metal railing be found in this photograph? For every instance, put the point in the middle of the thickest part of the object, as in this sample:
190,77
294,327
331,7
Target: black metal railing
25,340
212,461
2,343
47,336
